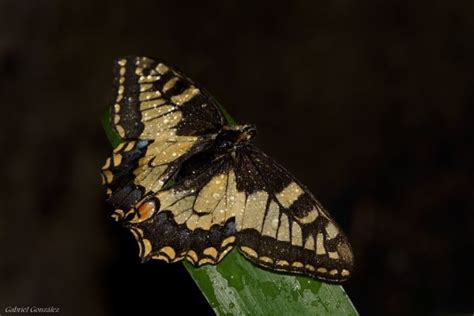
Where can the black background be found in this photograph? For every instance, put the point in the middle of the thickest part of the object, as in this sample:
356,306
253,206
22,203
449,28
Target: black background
369,103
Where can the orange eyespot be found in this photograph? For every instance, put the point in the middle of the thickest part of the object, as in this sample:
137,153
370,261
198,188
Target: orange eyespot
144,211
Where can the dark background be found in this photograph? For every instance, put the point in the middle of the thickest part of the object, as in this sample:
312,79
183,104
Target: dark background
369,103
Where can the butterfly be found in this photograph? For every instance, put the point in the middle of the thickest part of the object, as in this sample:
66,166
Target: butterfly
190,186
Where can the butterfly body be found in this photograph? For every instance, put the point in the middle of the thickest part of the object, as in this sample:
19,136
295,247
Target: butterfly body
188,186
235,136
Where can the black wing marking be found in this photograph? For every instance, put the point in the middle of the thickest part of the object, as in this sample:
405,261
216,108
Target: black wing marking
284,227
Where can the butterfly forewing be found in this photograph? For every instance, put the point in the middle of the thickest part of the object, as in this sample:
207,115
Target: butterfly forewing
153,100
283,226
154,103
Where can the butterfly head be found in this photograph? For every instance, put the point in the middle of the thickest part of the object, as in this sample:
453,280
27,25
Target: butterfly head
235,136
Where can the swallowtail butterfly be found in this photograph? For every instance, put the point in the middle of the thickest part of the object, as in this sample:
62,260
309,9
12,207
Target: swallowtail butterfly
189,186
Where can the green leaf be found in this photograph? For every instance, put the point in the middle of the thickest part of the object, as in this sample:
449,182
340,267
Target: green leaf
112,136
235,286
229,119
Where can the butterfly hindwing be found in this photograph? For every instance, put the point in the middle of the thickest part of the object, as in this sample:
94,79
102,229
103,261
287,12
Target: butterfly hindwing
139,167
190,220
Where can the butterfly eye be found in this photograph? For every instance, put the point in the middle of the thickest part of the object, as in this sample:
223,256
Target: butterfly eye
227,139
226,144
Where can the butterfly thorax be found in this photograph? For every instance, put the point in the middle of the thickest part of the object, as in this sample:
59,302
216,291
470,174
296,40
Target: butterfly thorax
235,136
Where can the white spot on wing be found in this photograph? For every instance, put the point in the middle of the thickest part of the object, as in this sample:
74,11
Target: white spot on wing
320,244
284,230
309,244
254,210
309,217
296,235
289,194
271,224
331,230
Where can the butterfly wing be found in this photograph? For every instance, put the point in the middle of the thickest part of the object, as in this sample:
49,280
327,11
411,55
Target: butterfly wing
248,200
192,219
152,99
164,118
283,226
